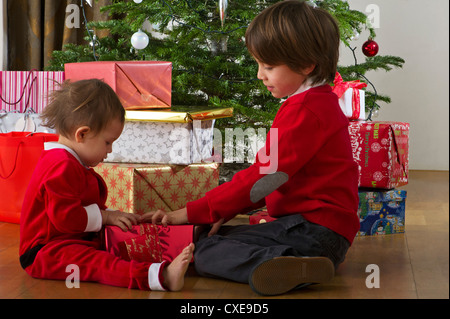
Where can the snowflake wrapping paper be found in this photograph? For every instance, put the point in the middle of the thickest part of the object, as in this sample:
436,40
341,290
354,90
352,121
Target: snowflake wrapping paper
381,150
141,188
167,137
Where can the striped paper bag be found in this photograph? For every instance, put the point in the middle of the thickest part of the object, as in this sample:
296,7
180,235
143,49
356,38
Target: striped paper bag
25,90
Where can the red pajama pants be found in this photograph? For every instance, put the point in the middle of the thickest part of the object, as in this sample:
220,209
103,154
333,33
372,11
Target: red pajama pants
94,265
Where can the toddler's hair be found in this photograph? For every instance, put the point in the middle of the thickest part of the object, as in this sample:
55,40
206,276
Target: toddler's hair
297,35
87,102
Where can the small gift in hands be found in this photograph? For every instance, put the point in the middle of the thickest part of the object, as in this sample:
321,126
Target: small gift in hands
145,241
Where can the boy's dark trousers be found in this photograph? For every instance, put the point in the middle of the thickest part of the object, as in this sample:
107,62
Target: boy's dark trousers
236,250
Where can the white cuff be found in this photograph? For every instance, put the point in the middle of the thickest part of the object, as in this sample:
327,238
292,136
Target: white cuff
153,277
94,215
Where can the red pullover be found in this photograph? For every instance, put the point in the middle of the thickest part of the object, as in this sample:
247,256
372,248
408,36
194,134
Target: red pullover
314,173
63,200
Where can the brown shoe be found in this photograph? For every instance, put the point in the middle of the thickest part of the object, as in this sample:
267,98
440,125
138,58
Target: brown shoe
282,274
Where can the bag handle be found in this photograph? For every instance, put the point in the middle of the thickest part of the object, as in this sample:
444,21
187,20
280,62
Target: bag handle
23,91
15,162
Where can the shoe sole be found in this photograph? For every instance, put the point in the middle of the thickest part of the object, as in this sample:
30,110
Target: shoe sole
282,274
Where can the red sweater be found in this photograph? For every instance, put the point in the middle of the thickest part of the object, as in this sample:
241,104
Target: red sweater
315,176
63,199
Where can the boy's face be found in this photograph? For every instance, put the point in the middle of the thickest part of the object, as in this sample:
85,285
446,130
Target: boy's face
280,80
94,148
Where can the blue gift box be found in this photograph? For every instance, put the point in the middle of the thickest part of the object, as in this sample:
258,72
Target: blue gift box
381,212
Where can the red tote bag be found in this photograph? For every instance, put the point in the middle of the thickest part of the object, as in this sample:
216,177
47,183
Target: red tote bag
19,154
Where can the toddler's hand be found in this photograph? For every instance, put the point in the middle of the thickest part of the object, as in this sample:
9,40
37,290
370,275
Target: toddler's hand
117,218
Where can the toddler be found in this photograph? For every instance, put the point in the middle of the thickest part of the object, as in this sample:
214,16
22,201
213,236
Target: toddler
64,206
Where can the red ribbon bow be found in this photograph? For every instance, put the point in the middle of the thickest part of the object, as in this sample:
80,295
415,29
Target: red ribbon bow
340,87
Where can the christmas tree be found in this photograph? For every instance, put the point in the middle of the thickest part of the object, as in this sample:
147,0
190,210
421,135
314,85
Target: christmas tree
205,42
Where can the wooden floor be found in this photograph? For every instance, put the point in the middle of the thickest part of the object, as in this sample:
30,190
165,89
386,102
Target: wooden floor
413,265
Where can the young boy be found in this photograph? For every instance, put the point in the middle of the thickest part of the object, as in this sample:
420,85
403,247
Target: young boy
65,202
311,186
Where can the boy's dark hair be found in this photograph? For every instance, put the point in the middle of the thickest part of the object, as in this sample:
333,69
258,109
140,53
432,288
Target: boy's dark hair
87,102
297,35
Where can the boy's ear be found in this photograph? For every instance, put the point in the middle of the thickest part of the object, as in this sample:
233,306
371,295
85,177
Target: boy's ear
81,132
309,69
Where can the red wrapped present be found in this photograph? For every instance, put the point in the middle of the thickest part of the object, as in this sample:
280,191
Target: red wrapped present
351,97
173,239
148,242
260,217
139,84
139,243
381,150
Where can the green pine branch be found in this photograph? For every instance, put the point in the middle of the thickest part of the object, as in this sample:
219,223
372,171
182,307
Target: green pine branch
211,65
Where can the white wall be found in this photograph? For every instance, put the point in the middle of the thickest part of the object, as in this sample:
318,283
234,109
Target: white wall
417,31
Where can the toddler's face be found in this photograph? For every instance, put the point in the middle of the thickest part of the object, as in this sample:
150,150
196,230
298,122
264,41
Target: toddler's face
96,147
280,80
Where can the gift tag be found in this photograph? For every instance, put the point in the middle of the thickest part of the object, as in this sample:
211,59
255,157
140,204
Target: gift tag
25,124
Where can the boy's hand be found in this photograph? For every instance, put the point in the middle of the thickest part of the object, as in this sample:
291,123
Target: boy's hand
215,227
177,217
117,218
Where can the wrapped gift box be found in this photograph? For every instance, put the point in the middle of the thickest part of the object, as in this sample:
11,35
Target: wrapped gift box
138,188
381,212
174,136
381,150
351,97
147,242
141,243
139,84
27,90
347,103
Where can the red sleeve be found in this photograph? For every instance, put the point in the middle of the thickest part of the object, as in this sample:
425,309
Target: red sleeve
226,200
297,134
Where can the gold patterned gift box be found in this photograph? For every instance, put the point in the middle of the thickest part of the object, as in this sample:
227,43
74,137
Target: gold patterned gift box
175,136
141,188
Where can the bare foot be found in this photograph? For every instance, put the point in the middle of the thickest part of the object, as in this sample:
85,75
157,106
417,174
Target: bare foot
175,271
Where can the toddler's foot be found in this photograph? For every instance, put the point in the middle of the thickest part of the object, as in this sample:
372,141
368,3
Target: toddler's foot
175,271
282,274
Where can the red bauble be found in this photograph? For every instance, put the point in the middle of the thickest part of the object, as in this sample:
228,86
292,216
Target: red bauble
370,48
